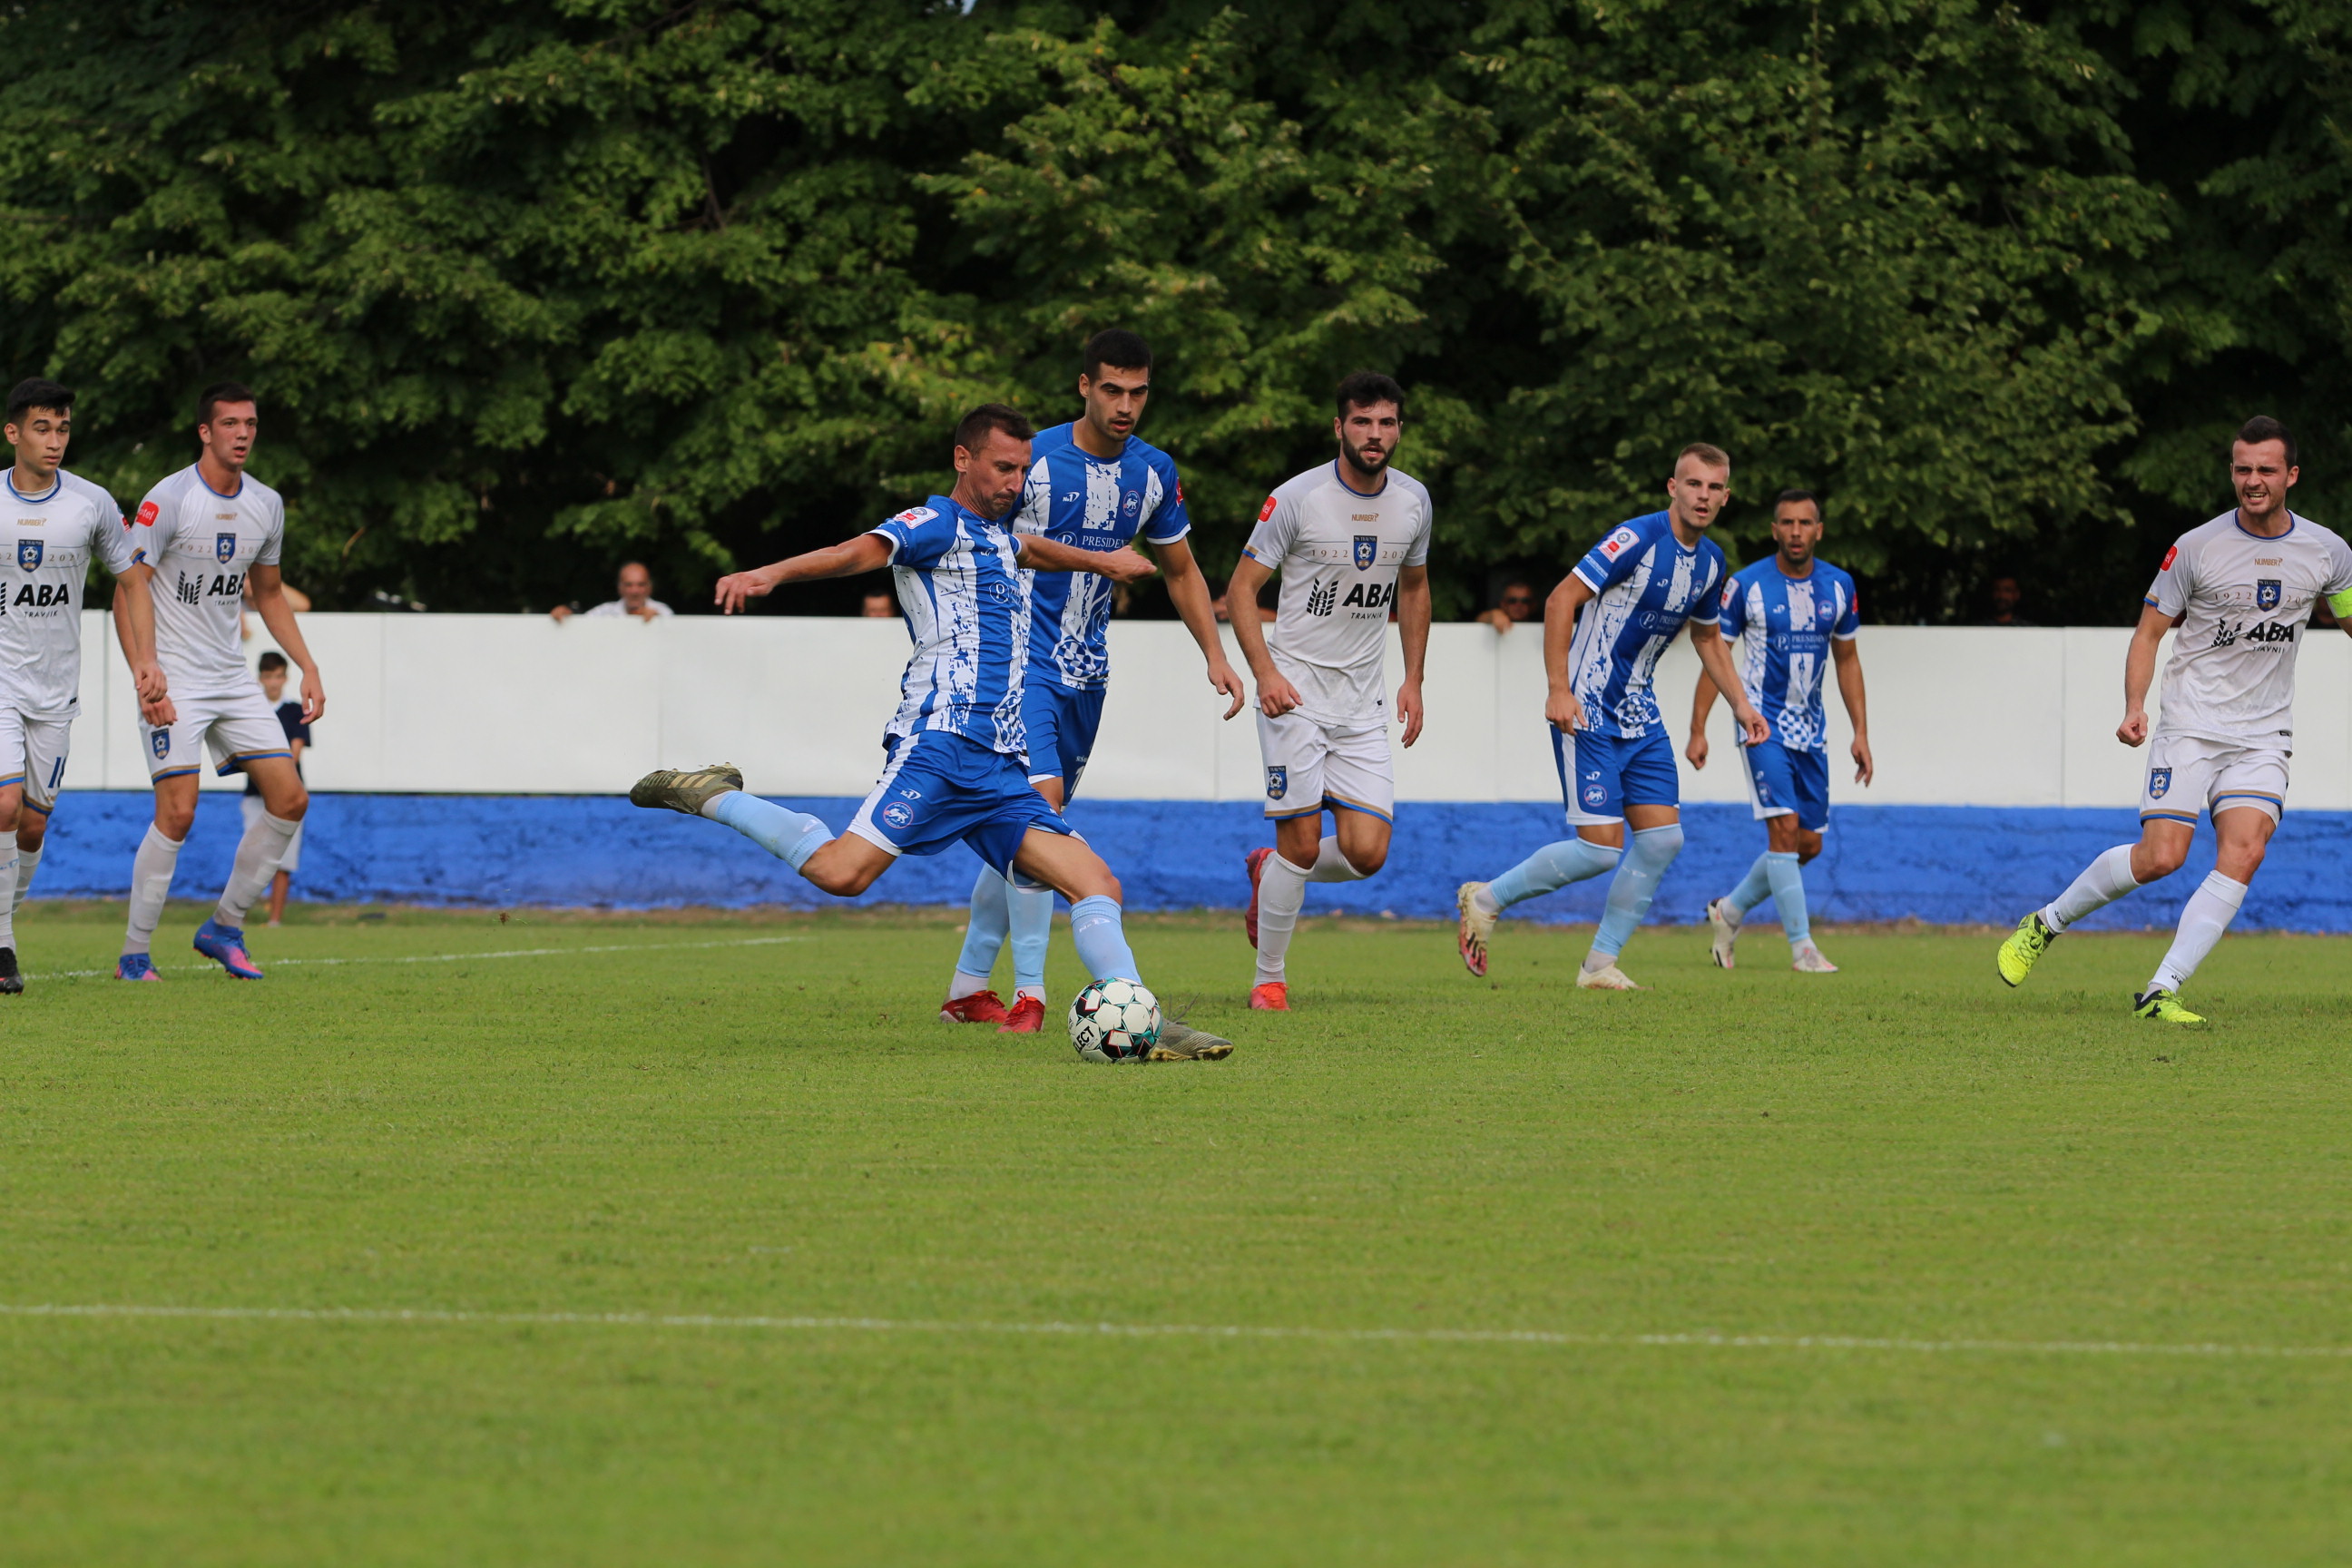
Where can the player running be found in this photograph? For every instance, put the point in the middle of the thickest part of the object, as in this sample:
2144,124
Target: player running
1643,583
2240,588
213,533
955,748
1095,484
62,523
1352,542
1784,615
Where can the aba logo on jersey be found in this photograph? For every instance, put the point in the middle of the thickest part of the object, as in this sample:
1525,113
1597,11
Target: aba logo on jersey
2158,781
1277,782
161,742
898,813
1367,550
224,546
2266,594
29,554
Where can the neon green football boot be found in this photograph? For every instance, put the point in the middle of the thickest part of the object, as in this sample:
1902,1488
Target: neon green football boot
2029,942
2164,1008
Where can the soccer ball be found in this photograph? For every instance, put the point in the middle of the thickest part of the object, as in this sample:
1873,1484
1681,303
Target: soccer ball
1114,1021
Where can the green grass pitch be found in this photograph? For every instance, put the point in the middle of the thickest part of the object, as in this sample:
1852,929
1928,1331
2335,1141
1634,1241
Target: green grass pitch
2047,1205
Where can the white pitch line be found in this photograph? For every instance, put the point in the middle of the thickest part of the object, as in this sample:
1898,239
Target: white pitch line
1701,1340
448,957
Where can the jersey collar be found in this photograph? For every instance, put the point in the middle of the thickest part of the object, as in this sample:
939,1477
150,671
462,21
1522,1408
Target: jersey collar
224,495
50,494
1340,474
2237,520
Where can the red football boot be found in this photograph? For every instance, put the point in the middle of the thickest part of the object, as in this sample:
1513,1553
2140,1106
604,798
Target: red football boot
1028,1016
1273,996
1256,871
980,1007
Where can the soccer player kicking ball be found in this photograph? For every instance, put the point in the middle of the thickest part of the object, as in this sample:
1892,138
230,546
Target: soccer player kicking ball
956,754
1352,542
61,523
1787,618
1643,583
2240,588
212,533
1095,484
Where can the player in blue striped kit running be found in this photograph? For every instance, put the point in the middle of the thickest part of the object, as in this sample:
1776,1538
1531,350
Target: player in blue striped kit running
1629,598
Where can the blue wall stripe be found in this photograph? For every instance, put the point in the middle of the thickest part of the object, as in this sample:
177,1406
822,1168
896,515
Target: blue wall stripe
1936,863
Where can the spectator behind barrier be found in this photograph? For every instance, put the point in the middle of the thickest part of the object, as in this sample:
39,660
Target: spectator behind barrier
2006,597
298,740
879,604
637,589
1517,603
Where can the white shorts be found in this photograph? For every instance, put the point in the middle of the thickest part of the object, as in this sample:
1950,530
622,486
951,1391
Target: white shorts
1309,765
2187,774
236,730
291,861
32,753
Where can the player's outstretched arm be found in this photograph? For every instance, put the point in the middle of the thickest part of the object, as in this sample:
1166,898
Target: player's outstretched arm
1412,629
1702,704
1188,590
1848,658
266,585
134,628
2139,671
1040,554
1560,706
1715,658
1275,696
851,558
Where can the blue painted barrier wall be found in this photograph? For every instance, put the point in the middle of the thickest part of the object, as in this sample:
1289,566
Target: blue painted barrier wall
1939,863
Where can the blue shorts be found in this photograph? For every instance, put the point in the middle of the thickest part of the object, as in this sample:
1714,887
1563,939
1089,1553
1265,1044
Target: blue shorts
1781,782
942,789
1601,775
1061,725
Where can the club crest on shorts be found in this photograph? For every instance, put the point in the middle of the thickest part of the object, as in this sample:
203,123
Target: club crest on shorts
2266,594
160,743
1596,794
898,813
1277,782
2158,781
1367,550
224,546
29,554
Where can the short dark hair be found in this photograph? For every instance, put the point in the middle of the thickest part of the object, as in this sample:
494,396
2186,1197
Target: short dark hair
1785,497
2261,427
1119,349
218,393
1364,388
271,660
36,392
1707,452
973,428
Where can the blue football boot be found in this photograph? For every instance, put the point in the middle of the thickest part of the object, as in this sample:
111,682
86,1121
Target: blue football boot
135,967
224,946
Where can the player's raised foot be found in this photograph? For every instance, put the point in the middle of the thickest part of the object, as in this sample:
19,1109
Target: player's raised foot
980,1007
1806,959
224,946
1723,926
1257,863
1608,977
1179,1042
1027,1016
135,967
1478,928
2164,1008
2028,942
10,983
1273,996
688,791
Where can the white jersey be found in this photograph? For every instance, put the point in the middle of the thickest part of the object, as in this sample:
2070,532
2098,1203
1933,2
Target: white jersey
1338,553
53,537
201,545
2247,601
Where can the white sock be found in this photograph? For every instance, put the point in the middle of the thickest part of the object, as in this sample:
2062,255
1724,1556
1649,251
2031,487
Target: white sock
150,884
2103,881
1331,866
964,985
28,862
1281,893
8,888
258,854
2202,920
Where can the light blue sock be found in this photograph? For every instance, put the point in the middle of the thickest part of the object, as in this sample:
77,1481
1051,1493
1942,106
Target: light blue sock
1100,940
1754,888
983,937
789,835
1032,929
1552,866
1789,892
1653,850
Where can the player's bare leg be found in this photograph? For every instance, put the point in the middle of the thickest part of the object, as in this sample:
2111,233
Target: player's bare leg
1356,849
283,802
11,812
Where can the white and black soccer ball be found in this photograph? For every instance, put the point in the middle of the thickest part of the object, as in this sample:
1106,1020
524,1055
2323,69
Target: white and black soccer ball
1114,1021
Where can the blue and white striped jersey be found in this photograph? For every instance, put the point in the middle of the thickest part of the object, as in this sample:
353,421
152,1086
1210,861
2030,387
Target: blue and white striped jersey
967,606
1075,497
1645,585
1782,628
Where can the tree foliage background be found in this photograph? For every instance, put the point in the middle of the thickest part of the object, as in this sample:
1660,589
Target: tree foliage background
529,285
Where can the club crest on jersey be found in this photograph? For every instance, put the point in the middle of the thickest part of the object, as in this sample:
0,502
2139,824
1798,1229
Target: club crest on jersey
1277,782
898,813
1367,550
1132,503
160,743
29,554
2158,781
2266,594
224,546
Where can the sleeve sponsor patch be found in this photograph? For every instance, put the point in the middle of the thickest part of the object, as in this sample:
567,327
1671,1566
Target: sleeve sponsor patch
2168,556
148,512
915,516
1263,513
1618,542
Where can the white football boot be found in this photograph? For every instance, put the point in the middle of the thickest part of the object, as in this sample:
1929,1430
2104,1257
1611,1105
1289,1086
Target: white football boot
1607,978
1806,959
1723,922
